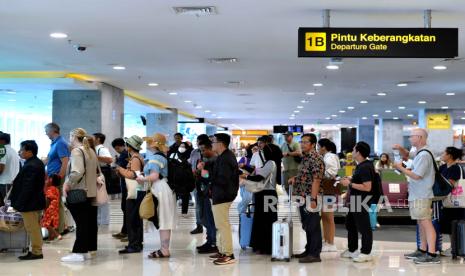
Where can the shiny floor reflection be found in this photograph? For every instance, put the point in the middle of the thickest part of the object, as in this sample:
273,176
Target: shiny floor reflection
389,248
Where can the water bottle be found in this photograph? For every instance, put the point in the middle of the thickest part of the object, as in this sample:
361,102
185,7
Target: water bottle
397,159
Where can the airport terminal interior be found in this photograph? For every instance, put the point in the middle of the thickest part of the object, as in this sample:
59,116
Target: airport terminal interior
369,79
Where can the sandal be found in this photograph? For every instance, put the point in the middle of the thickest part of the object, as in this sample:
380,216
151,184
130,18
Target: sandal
157,255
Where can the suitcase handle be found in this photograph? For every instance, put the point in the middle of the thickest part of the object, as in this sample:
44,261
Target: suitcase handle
290,202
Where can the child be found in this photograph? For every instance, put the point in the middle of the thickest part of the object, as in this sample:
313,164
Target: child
51,217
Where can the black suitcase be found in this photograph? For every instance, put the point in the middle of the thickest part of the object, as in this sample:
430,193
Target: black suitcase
458,239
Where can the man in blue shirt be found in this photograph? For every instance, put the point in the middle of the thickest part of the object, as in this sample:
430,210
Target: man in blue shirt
57,162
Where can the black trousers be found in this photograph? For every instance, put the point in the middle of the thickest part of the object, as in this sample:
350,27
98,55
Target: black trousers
311,226
185,198
85,216
124,195
134,224
359,222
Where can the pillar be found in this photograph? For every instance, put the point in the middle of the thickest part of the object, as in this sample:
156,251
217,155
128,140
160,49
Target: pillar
165,123
390,133
366,133
99,110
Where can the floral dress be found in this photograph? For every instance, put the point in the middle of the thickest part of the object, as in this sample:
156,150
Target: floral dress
51,216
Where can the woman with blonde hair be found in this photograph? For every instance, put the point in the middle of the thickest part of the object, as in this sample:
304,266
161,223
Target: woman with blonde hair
80,190
156,176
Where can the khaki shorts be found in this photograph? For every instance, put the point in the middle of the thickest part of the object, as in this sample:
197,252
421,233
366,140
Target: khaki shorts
420,209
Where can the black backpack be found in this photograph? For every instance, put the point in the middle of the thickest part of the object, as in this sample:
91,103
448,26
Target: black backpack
376,187
180,175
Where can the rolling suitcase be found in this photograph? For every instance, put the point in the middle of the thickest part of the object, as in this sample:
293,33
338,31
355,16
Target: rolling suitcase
458,238
282,236
245,228
18,240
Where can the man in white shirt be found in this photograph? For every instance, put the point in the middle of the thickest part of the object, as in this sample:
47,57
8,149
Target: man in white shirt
9,165
105,160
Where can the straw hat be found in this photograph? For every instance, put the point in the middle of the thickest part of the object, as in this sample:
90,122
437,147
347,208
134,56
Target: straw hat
157,141
134,141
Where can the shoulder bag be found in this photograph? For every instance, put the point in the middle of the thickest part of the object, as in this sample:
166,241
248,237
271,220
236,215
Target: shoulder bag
456,199
255,187
102,195
132,184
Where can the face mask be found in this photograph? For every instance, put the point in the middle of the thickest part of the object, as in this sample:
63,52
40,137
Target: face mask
182,150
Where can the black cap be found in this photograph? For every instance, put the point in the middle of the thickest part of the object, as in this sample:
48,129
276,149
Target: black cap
288,133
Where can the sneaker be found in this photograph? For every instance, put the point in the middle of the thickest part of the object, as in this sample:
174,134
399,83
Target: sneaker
301,255
73,258
414,255
119,236
225,260
427,259
363,258
208,250
205,245
216,256
349,255
329,248
198,230
447,253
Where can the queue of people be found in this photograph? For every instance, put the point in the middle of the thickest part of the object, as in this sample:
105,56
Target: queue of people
310,167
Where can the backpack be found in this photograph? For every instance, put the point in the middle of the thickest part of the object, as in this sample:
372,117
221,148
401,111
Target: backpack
441,187
376,187
180,175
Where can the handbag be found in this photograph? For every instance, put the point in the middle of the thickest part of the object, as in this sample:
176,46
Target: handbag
102,195
147,206
441,187
456,199
255,187
131,186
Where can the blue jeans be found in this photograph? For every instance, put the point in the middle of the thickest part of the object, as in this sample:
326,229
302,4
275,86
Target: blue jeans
198,209
373,216
209,222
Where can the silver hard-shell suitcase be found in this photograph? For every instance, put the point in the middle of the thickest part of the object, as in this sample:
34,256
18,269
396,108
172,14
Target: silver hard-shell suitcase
18,240
283,236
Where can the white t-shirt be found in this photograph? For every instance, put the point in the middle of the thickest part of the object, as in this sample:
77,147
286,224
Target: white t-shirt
102,152
256,161
11,162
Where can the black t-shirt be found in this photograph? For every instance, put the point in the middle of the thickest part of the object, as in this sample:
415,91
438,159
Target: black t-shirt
363,172
453,172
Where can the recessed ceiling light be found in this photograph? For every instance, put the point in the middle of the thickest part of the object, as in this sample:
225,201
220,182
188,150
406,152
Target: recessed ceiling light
364,118
444,107
11,92
119,67
332,67
342,111
410,115
296,111
207,111
300,107
396,118
440,67
304,101
382,94
328,118
58,35
334,115
310,94
223,60
450,94
317,84
401,107
187,101
173,93
12,100
402,84
375,115
363,102
388,111
463,118
198,107
422,102
350,107
153,84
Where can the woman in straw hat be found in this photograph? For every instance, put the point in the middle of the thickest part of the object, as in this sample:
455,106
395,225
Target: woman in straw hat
82,176
156,169
133,221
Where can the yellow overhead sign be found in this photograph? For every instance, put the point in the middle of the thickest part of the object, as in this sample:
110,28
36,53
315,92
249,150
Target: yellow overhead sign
438,121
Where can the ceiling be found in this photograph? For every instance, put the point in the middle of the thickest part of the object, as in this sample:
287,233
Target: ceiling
156,45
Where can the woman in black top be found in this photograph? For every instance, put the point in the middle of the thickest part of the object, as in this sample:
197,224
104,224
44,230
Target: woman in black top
265,204
452,171
183,190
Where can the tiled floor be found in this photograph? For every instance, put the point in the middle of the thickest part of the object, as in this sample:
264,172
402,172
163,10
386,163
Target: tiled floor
390,244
